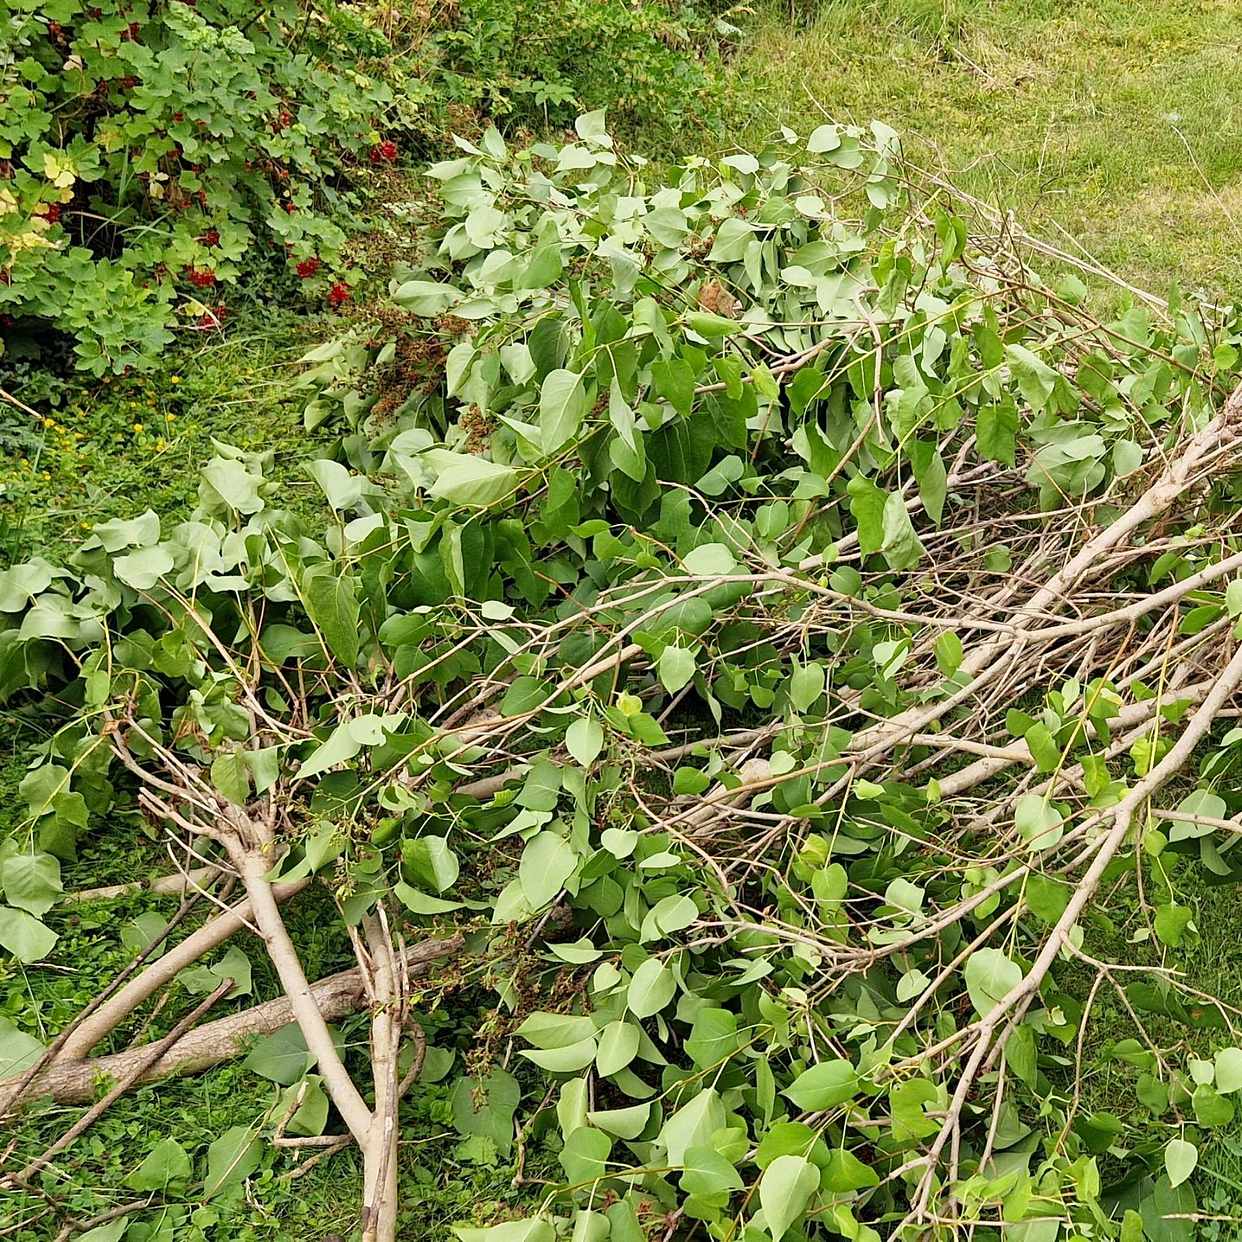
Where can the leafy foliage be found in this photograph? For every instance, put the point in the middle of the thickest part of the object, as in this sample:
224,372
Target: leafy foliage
150,151
663,636
536,63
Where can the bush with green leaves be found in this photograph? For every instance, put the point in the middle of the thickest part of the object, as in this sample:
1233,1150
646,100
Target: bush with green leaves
538,63
149,152
763,641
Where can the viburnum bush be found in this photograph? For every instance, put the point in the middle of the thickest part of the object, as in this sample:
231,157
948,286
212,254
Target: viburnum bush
770,640
149,151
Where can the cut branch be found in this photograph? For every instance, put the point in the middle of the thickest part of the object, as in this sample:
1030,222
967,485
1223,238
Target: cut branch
74,1082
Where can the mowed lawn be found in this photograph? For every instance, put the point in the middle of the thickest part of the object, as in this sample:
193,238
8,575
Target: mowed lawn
1111,127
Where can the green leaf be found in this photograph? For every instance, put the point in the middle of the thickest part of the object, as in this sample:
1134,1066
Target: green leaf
709,560
342,489
18,1051
563,1060
555,1030
562,407
948,652
990,976
676,668
900,546
1127,457
468,480
823,1086
226,481
422,903
714,1037
24,936
143,569
844,1172
690,781
1036,379
140,933
1043,747
431,861
486,1107
546,863
280,1057
584,739
1171,922
996,433
31,882
651,988
618,1046
867,505
806,684
425,297
231,1159
591,127
1229,1070
1233,597
331,601
309,1117
1211,1108
1038,822
166,1162
730,242
931,476
113,1231
707,1172
824,138
230,777
1180,1158
673,379
1201,803
234,965
692,1125
533,1230
785,1189
623,1123
585,1155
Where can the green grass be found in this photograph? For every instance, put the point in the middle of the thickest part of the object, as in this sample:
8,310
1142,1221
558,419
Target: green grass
1106,126
99,449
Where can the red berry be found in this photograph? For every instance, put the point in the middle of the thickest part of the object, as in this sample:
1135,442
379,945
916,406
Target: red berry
384,153
291,206
210,238
338,295
307,268
201,276
51,213
212,318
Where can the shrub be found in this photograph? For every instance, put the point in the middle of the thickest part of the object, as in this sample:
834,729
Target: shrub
534,62
148,149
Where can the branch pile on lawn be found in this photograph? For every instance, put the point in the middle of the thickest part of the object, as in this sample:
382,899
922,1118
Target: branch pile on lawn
766,635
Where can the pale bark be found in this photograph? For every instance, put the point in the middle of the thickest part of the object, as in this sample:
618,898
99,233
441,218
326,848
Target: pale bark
162,971
75,1082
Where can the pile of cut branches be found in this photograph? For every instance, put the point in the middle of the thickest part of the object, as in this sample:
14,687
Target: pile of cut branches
751,640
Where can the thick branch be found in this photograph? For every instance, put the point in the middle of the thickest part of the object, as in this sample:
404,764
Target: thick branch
253,869
212,934
75,1082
